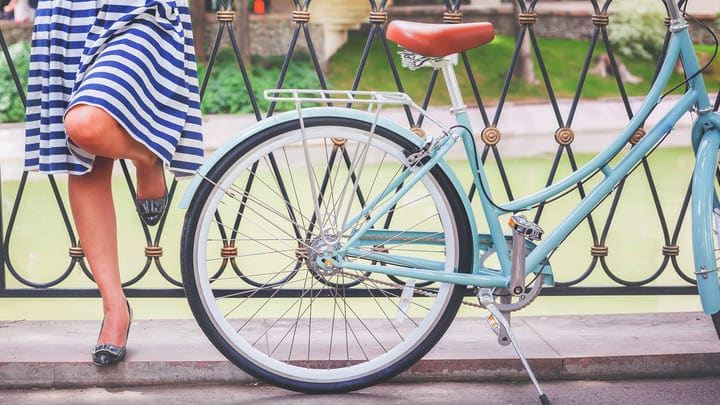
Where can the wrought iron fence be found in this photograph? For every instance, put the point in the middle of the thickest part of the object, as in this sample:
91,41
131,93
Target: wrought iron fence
157,274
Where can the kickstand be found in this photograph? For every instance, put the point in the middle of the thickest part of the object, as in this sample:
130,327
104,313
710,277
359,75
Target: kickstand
501,326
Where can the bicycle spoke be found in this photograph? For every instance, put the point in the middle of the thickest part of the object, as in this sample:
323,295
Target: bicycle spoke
283,214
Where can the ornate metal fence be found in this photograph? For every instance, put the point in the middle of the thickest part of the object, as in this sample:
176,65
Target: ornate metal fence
157,273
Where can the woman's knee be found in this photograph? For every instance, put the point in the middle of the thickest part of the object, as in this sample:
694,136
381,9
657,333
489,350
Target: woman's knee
85,124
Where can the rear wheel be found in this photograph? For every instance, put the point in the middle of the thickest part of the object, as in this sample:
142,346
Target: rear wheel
257,230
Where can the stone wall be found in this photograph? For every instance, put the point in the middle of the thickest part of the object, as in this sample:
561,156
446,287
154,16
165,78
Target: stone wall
271,35
15,31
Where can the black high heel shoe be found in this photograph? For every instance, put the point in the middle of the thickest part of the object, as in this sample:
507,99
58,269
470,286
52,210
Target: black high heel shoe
152,209
107,354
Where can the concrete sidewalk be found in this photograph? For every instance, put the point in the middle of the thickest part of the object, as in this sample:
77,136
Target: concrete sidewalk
56,354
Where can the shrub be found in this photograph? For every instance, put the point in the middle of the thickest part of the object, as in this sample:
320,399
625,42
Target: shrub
11,106
637,28
226,92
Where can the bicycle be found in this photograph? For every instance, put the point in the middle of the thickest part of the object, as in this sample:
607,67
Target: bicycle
305,213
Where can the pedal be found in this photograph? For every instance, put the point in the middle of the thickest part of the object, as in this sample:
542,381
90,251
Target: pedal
530,230
495,326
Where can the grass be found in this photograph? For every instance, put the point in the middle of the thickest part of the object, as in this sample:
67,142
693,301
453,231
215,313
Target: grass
564,59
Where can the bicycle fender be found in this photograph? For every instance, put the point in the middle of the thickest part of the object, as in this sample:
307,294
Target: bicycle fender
320,112
703,200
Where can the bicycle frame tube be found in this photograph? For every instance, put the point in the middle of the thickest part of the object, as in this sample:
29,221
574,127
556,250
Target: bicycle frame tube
695,97
407,179
492,214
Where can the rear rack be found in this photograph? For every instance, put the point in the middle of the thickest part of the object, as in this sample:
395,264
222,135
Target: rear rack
338,96
375,100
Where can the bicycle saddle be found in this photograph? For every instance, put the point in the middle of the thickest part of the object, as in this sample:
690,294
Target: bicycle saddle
438,40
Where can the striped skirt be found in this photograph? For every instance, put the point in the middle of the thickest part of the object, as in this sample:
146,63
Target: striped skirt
132,58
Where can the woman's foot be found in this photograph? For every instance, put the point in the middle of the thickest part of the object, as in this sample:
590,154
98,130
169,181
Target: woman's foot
151,190
112,341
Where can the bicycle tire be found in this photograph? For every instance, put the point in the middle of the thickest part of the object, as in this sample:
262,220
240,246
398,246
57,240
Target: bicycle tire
706,225
716,238
337,325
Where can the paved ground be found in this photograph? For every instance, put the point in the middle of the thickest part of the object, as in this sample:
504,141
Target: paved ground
43,356
56,354
682,391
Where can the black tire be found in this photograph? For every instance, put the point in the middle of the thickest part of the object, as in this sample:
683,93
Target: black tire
245,216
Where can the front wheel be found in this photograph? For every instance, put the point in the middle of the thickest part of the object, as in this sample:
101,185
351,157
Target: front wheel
282,199
706,224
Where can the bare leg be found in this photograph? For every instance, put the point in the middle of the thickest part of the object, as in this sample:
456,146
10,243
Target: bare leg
91,201
97,132
94,214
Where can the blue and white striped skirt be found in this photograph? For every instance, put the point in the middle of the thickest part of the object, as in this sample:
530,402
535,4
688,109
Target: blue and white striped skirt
133,58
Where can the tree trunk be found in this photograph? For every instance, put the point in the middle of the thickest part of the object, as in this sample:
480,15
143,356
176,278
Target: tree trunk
197,17
241,26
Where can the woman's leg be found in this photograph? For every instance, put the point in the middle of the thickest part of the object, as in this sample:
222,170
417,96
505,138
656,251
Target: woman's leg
97,132
94,215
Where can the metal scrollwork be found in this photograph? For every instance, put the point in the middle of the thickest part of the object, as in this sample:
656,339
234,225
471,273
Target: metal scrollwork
14,281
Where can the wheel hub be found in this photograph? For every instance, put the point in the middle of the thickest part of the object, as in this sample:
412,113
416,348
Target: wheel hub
321,255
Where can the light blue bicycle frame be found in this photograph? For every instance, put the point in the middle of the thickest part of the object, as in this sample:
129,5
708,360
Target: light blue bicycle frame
706,140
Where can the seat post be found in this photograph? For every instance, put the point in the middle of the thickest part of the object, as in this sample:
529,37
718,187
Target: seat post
677,22
448,71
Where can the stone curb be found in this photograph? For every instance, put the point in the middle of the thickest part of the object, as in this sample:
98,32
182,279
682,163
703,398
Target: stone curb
53,354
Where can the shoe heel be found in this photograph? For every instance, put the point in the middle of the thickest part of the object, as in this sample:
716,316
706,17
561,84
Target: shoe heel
107,354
